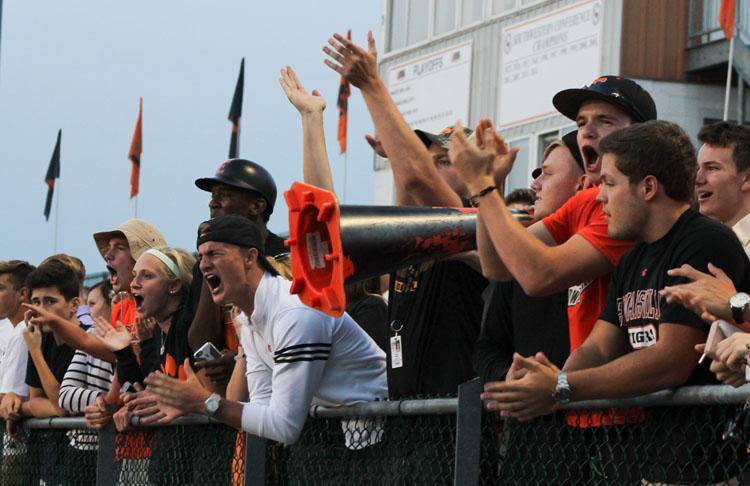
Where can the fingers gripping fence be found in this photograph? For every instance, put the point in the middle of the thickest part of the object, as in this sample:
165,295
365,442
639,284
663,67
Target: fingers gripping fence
664,438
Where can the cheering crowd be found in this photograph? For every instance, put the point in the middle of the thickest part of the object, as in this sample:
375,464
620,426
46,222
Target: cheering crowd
602,283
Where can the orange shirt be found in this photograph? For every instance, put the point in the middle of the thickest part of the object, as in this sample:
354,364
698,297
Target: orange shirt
582,215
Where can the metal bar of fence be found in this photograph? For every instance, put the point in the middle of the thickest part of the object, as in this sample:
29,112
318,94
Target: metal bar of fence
105,456
468,433
255,460
687,395
435,406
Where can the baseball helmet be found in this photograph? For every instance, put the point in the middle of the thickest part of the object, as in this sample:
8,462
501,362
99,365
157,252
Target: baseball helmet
243,174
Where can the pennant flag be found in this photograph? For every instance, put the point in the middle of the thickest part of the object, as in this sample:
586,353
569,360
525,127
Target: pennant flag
342,102
726,17
136,148
235,113
53,172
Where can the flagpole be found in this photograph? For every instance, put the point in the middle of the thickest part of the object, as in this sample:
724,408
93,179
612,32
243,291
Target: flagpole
729,78
57,214
346,163
136,206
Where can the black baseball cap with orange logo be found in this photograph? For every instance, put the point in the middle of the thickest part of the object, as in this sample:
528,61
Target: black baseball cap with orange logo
624,93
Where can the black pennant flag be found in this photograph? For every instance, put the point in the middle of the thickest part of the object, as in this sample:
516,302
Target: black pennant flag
53,172
235,113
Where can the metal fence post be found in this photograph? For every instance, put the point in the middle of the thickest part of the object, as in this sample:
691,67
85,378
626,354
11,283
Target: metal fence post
2,432
105,456
468,433
255,460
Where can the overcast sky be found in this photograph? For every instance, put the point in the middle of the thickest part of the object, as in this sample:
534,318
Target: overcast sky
80,65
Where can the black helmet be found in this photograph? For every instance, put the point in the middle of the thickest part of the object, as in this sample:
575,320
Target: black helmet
243,174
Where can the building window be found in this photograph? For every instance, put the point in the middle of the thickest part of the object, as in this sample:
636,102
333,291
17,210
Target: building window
445,16
542,142
418,17
397,21
520,176
503,6
471,11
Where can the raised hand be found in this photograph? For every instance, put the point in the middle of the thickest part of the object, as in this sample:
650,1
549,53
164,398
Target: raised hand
298,96
358,66
113,339
484,163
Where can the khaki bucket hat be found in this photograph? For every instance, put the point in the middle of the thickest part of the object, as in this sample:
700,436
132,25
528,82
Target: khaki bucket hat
140,234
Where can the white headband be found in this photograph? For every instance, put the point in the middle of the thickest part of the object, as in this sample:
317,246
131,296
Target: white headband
165,260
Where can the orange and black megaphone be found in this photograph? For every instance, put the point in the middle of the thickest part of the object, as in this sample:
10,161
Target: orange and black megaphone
333,245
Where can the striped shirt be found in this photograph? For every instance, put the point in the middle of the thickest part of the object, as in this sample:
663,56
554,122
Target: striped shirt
86,378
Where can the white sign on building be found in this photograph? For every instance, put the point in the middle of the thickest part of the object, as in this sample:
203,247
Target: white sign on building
432,91
543,55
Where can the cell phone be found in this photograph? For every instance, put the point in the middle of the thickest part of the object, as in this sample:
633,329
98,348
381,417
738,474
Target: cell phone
206,352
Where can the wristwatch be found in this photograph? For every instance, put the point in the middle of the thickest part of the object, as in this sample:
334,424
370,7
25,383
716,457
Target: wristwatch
738,303
563,393
211,405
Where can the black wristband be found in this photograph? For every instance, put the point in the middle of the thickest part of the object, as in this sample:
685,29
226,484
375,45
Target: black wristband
475,198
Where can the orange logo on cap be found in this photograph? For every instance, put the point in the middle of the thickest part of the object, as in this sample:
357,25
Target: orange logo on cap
601,79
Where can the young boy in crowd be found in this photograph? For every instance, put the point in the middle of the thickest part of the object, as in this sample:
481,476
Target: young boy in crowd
13,350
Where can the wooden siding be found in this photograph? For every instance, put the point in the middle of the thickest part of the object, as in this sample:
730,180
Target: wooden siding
654,39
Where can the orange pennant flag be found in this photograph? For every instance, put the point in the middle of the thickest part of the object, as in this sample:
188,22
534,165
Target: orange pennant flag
136,148
726,17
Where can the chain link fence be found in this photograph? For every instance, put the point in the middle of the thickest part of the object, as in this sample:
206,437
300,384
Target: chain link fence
667,438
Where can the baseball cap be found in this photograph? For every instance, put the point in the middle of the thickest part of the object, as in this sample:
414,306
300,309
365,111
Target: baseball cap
571,142
235,230
442,139
621,92
140,234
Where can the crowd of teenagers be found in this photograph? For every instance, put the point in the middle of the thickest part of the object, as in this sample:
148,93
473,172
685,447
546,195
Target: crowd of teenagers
601,282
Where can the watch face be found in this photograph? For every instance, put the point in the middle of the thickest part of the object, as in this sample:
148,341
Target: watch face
212,404
739,300
562,395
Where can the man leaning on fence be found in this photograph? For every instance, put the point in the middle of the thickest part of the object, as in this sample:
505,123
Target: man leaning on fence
641,343
295,356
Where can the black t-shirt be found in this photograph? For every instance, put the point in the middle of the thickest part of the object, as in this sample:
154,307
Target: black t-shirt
634,303
436,309
371,313
57,357
515,322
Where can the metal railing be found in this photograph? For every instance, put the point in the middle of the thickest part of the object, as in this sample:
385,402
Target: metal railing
675,439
